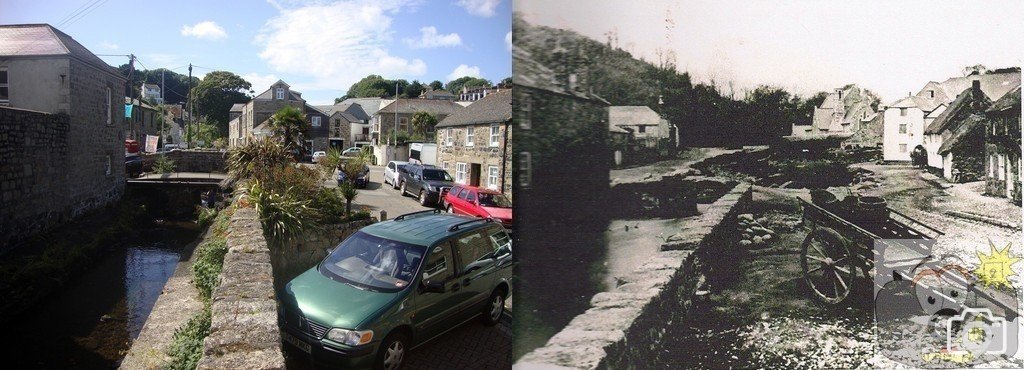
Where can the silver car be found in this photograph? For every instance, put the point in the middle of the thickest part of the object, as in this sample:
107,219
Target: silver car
392,172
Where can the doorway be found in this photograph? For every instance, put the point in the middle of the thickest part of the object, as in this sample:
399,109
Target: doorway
474,174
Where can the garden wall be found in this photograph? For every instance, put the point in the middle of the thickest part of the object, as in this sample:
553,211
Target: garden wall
193,160
625,326
243,330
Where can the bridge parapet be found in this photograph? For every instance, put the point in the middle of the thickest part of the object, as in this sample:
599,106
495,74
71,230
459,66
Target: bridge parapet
192,160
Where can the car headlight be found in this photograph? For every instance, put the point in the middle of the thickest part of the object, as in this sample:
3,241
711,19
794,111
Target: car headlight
350,337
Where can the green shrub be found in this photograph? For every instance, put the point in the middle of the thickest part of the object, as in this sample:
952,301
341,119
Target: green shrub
329,206
205,216
163,165
257,158
209,262
220,223
186,347
285,214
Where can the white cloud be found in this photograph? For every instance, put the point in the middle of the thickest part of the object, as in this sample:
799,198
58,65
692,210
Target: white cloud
463,70
483,8
336,44
109,45
429,38
204,30
508,40
260,83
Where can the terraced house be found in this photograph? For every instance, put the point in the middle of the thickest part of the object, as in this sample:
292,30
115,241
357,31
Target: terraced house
474,144
253,118
1004,170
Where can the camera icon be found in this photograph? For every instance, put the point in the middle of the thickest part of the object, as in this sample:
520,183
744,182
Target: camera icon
977,331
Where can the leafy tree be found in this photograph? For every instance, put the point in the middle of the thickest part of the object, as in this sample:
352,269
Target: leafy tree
175,85
414,89
436,85
289,126
215,95
505,83
423,123
341,99
206,132
976,69
375,86
455,86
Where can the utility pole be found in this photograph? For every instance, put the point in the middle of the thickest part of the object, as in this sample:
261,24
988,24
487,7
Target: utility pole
131,94
188,101
394,129
162,85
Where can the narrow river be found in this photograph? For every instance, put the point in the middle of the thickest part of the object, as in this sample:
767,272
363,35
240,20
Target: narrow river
90,322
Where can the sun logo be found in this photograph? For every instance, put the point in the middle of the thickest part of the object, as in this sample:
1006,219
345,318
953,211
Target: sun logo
995,267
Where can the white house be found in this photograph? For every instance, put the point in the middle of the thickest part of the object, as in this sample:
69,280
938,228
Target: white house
151,92
646,125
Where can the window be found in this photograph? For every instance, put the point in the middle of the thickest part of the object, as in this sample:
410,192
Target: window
500,239
110,108
992,166
449,138
460,172
110,169
436,267
463,194
492,177
456,191
469,136
445,165
903,111
641,129
903,148
279,93
524,112
474,250
403,124
495,135
316,121
1001,170
470,196
525,174
903,128
5,92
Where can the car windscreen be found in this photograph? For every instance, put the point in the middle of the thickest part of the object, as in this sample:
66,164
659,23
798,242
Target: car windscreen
494,200
436,175
369,262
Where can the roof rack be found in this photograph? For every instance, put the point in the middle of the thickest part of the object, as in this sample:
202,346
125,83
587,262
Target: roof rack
402,217
456,226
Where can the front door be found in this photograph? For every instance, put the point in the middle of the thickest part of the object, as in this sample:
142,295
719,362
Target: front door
436,312
338,144
474,174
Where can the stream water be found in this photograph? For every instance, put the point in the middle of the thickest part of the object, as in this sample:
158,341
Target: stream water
91,321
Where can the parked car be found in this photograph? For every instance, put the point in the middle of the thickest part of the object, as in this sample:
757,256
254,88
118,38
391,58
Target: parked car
318,154
392,171
361,181
477,202
395,285
133,165
428,183
352,152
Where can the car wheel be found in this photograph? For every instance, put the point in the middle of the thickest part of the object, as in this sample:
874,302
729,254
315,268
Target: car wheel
403,188
494,308
392,352
450,210
423,198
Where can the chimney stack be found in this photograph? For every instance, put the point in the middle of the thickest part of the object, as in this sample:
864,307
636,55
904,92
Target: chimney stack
976,88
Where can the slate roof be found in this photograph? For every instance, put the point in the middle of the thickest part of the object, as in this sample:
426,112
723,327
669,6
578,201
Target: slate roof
269,94
531,73
633,115
437,94
966,127
351,111
966,104
994,85
1008,102
237,107
493,108
44,39
369,106
435,106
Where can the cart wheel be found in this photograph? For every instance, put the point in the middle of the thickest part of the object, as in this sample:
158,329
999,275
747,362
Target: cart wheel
828,266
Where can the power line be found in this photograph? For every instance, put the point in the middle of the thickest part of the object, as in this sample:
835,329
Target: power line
75,12
84,13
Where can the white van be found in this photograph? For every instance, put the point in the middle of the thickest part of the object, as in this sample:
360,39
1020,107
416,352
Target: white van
423,153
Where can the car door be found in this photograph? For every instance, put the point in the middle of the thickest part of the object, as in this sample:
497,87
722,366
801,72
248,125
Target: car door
476,270
460,202
389,172
472,208
436,312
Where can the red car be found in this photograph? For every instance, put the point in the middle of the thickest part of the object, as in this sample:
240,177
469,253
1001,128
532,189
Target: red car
477,202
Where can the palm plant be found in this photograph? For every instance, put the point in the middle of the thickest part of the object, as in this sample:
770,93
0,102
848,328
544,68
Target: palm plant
289,125
284,215
348,190
257,157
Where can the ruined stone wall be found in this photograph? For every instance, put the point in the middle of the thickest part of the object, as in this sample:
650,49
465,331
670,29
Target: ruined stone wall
625,326
243,330
32,173
190,160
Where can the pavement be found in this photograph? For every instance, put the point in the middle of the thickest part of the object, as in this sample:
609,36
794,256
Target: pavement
468,346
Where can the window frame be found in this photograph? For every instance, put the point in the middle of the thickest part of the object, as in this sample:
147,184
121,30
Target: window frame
469,136
6,84
903,128
110,107
525,169
496,176
461,172
449,138
495,136
278,93
314,121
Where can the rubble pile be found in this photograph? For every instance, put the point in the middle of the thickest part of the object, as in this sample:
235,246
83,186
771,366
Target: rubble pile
753,233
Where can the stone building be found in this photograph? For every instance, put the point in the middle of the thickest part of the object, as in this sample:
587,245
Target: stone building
145,120
349,122
253,119
959,132
45,70
1003,171
843,112
474,144
647,127
384,120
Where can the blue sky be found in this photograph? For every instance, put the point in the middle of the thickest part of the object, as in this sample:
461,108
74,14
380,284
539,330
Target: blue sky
319,47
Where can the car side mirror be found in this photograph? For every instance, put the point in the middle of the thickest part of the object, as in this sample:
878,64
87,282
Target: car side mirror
432,287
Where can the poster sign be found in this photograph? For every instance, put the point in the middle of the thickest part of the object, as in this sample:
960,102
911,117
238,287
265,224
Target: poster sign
151,142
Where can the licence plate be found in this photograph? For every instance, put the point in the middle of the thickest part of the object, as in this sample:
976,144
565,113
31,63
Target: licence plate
295,342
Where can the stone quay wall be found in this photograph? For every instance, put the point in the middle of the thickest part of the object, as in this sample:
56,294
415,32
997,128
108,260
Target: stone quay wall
194,160
625,326
243,330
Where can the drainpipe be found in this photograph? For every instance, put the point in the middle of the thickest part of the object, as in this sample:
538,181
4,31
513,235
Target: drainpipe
504,153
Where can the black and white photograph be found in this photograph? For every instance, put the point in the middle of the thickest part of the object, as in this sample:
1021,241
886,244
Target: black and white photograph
767,184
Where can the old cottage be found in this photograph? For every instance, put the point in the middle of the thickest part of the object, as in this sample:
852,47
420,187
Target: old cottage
475,143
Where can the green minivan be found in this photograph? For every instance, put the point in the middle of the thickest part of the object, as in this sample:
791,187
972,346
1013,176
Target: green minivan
395,285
